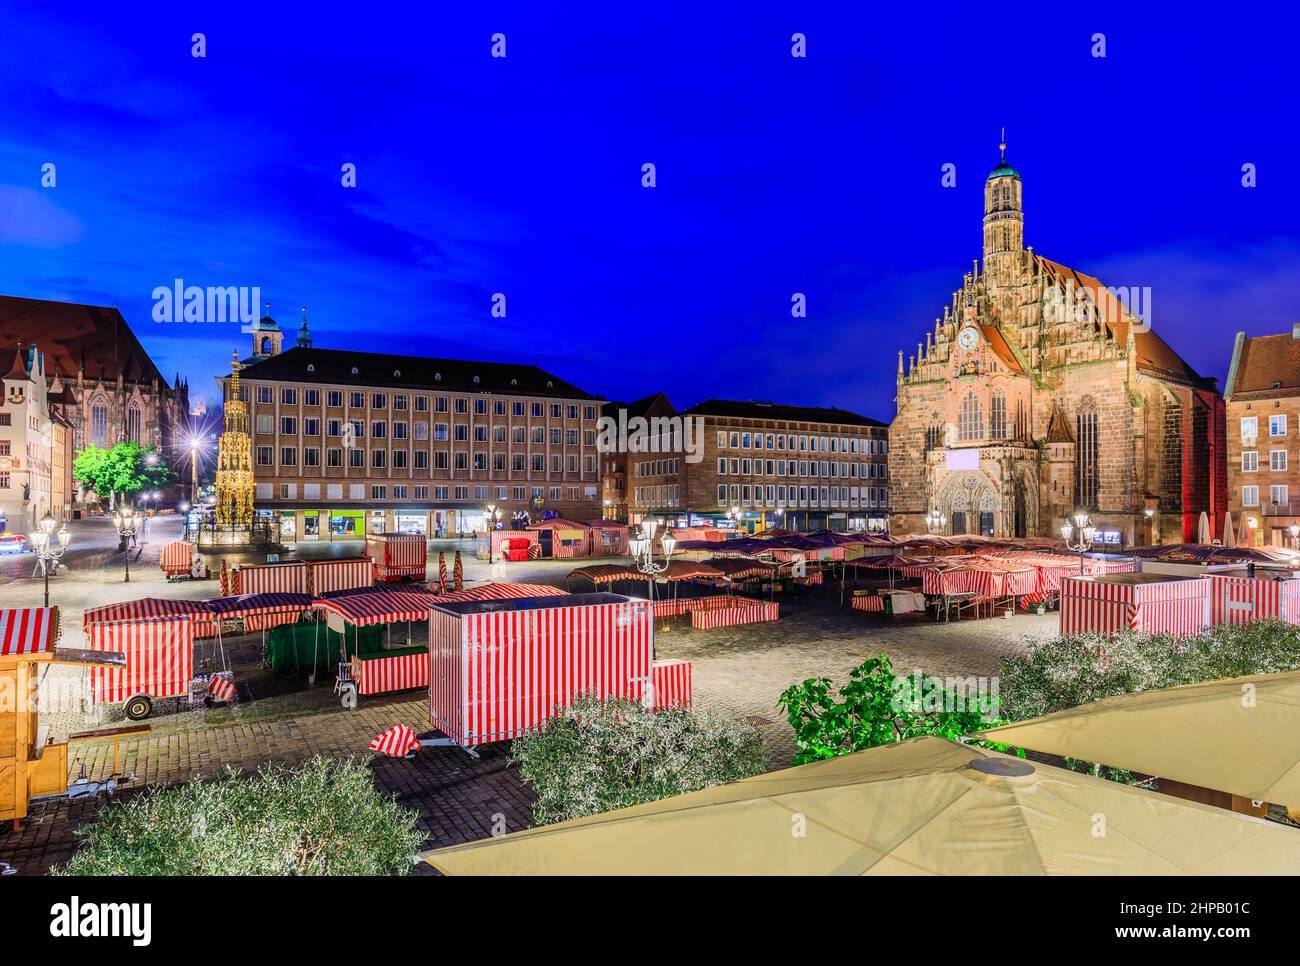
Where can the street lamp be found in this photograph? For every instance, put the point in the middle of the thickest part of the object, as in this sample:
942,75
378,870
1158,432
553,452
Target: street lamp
124,519
935,522
49,551
1295,536
489,513
643,548
1086,534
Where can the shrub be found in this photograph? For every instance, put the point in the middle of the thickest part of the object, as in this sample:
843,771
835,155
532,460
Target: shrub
595,757
875,708
1069,671
324,817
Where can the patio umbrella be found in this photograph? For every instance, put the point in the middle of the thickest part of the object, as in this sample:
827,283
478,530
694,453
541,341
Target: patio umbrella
925,806
1229,536
1236,735
442,571
458,573
1203,528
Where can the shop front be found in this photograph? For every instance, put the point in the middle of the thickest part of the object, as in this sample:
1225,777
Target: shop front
411,521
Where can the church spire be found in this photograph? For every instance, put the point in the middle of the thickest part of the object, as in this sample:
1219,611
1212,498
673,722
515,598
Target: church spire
304,333
1004,227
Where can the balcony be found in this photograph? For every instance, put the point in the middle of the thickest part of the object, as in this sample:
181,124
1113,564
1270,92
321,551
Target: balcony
1267,508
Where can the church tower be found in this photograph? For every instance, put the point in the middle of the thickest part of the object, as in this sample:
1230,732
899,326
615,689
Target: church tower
266,336
1004,223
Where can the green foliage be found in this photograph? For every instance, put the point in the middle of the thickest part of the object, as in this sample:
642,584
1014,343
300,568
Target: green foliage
594,757
123,469
324,817
875,708
1069,671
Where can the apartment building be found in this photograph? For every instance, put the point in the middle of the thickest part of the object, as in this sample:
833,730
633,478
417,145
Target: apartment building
1263,413
757,465
346,443
614,459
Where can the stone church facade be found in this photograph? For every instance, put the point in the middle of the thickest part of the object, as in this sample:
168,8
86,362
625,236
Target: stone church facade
1038,393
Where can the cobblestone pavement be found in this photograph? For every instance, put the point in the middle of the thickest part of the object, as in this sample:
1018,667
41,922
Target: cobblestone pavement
281,718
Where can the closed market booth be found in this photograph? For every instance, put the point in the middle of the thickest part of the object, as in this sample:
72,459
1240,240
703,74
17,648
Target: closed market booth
501,668
1149,603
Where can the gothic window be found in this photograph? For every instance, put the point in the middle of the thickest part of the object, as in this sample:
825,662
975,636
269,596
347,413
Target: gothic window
970,420
998,416
1022,420
1087,452
99,425
1006,239
933,437
133,423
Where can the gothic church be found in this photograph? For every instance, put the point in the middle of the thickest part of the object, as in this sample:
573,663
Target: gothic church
1038,393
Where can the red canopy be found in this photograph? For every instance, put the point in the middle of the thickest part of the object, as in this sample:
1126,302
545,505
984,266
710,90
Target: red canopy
677,570
383,607
28,630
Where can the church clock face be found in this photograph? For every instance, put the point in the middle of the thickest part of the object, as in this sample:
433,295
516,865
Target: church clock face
968,338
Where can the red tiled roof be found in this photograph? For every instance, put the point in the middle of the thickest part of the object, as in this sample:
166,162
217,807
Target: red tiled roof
71,335
1266,360
1154,354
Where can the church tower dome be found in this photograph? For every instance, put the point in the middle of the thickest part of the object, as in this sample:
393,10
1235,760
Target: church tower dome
1004,221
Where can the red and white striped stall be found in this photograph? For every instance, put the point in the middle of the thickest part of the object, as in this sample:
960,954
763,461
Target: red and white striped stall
159,659
176,559
380,674
1148,603
672,684
327,576
28,630
150,608
260,612
501,668
1236,599
738,612
398,556
287,577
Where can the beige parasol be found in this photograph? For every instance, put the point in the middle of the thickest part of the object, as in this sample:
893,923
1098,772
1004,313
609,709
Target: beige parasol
1236,735
922,807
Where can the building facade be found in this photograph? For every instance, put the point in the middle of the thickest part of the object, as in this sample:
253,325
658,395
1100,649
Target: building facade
30,481
759,465
346,443
1263,409
116,393
1037,393
614,459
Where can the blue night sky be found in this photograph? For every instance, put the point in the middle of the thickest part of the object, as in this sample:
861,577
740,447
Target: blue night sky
522,176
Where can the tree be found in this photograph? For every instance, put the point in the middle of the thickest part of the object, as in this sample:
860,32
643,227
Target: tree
875,708
125,469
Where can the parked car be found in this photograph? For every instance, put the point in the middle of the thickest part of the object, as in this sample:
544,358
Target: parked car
14,543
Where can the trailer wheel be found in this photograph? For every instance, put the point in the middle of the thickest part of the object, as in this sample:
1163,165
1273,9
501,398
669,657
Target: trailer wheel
139,707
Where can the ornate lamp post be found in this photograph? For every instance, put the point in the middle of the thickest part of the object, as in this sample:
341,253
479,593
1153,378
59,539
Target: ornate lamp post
935,522
48,551
490,513
643,550
1087,532
124,519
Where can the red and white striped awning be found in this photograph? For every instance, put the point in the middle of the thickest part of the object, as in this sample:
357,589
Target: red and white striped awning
145,609
250,605
28,630
501,592
381,607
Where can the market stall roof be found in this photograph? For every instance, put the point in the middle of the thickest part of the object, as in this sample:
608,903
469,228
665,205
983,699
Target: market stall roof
1207,553
386,607
247,605
734,568
1202,734
921,807
28,630
677,570
499,591
145,608
557,523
